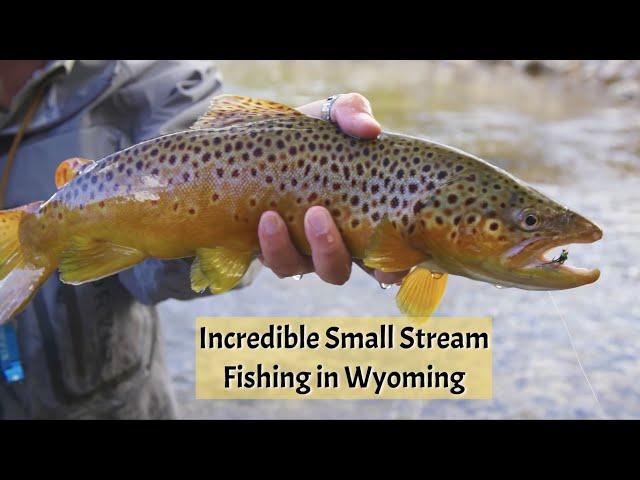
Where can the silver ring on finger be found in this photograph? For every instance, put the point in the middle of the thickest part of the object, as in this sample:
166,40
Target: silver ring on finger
325,111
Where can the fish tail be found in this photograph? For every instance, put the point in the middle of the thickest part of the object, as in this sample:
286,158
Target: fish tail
22,272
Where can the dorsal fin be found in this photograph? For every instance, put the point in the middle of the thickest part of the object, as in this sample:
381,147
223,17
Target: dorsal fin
69,169
225,110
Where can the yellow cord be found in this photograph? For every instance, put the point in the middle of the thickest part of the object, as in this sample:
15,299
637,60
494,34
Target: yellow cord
35,103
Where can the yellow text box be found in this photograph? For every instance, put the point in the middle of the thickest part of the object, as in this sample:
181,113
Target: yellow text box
343,358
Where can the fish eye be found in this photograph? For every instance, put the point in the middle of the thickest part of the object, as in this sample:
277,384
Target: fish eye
530,219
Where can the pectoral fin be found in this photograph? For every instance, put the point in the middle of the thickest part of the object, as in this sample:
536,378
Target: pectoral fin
421,292
219,268
88,259
389,252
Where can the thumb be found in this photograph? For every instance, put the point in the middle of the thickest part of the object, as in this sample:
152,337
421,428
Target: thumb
352,112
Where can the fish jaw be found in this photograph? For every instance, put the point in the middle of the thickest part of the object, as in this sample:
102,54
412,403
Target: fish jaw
530,267
546,275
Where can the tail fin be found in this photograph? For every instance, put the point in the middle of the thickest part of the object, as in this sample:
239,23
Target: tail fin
20,278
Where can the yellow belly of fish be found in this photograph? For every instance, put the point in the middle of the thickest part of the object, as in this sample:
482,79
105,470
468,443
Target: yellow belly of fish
109,236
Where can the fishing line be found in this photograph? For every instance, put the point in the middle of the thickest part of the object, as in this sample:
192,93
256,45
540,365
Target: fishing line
575,351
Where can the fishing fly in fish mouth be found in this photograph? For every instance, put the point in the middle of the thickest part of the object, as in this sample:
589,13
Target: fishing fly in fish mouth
399,202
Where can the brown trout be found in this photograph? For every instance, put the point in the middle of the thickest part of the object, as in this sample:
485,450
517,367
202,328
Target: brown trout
399,202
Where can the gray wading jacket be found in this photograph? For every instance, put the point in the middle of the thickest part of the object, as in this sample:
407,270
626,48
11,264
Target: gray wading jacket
94,351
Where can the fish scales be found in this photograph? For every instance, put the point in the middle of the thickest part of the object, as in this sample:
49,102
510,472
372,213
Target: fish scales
235,174
398,201
224,180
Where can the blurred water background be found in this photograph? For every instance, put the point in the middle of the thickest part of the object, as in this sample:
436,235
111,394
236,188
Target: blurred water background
573,137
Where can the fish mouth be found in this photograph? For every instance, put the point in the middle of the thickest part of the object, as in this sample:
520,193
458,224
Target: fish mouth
535,269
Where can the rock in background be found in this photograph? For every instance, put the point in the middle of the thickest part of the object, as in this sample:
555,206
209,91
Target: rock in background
619,78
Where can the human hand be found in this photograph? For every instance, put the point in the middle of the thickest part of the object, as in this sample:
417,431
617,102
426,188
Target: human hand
330,258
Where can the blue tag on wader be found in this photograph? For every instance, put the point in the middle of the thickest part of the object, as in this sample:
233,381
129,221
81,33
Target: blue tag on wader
10,354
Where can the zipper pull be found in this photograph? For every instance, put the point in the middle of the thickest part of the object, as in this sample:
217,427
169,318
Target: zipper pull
10,354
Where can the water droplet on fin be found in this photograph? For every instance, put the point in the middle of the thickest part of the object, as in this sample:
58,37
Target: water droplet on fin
498,286
436,275
297,277
385,286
